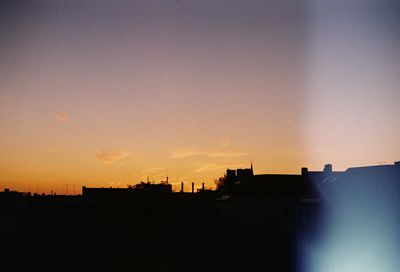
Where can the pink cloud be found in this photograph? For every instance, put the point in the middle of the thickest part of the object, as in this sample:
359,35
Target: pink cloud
62,117
110,156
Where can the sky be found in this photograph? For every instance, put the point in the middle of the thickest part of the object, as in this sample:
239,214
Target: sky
106,93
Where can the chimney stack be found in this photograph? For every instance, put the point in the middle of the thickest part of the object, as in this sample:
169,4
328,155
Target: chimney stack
202,186
192,187
181,187
328,169
304,171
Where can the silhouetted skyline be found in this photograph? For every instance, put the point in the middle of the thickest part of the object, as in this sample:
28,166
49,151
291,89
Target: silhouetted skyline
293,223
107,93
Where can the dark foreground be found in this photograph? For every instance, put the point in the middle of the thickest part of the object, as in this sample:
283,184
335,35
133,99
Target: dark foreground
144,232
254,223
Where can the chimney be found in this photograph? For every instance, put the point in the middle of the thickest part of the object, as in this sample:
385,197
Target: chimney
328,169
202,186
181,187
192,187
304,171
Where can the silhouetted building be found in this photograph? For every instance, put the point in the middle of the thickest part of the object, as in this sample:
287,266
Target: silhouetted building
255,221
241,173
140,188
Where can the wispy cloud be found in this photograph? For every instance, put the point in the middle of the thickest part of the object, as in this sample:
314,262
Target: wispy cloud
226,154
110,156
154,169
62,117
225,142
296,153
210,167
125,162
184,153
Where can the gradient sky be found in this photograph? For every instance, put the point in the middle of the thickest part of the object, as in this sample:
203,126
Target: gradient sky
106,93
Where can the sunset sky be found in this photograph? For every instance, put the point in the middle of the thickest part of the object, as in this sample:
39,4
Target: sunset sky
106,93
